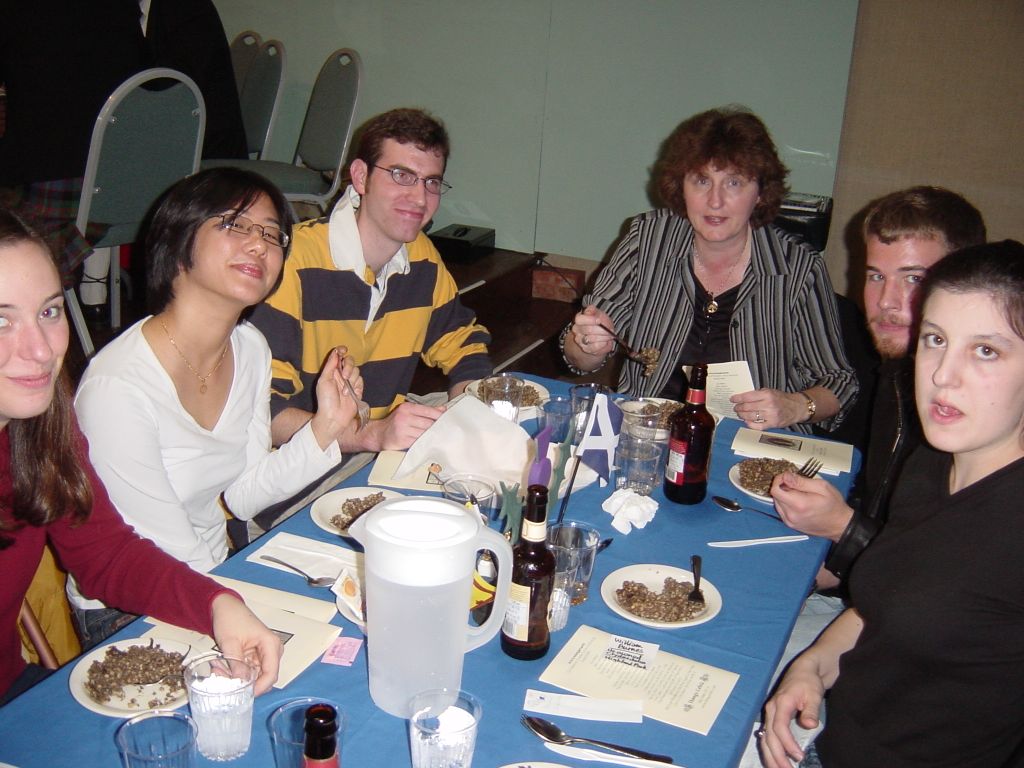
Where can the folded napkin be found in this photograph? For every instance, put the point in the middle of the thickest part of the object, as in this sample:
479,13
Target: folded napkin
629,510
317,558
470,437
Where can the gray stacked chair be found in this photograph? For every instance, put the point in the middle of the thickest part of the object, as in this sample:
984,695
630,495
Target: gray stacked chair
244,49
315,175
148,135
261,96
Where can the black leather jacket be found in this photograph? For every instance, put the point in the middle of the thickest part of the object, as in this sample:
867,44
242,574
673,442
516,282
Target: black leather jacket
895,431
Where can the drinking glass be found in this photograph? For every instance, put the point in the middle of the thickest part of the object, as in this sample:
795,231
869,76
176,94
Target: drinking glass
503,393
582,396
157,739
556,412
220,693
459,487
442,728
582,540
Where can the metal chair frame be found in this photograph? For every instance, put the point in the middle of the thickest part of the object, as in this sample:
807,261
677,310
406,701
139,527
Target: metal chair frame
131,162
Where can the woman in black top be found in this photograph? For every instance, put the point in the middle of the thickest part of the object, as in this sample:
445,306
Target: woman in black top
932,667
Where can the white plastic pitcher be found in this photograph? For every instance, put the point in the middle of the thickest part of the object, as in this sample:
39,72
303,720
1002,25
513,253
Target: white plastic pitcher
420,556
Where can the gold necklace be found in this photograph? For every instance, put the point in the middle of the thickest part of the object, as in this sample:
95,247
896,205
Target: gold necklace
202,379
712,306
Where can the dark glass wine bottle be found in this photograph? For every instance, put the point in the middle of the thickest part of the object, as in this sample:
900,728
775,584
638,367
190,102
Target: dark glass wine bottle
320,748
689,445
524,632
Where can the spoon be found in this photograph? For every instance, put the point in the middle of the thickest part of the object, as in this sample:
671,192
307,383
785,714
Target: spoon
321,581
734,506
548,731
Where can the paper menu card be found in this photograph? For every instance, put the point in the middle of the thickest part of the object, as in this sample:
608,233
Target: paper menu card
795,447
674,690
724,381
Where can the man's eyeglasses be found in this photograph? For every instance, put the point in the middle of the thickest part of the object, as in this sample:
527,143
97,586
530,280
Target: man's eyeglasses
406,178
241,225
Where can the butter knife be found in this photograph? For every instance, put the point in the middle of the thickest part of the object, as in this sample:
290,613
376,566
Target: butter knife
580,753
755,542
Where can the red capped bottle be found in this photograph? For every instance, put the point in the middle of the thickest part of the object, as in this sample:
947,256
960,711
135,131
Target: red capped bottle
689,445
524,632
320,749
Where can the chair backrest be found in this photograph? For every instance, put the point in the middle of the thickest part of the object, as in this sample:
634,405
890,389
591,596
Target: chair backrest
148,135
330,116
261,95
244,48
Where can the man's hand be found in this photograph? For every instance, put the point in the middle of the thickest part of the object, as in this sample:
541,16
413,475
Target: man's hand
241,635
810,505
396,432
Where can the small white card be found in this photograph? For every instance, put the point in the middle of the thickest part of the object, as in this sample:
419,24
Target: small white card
583,707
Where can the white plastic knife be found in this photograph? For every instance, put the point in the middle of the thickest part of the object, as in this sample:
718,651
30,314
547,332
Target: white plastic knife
602,757
755,542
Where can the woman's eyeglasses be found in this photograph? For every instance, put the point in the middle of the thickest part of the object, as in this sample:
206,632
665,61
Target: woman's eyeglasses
241,225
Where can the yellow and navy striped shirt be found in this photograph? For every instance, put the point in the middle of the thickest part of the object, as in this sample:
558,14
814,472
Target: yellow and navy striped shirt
318,307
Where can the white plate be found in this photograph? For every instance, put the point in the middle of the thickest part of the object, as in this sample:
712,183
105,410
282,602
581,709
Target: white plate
116,707
525,414
653,577
734,478
329,505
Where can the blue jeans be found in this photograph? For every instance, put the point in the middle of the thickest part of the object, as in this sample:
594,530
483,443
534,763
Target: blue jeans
94,625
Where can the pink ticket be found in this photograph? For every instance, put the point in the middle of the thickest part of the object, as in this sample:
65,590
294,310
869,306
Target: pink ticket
343,651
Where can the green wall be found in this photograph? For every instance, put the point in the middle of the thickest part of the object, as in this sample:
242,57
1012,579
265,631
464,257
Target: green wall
556,108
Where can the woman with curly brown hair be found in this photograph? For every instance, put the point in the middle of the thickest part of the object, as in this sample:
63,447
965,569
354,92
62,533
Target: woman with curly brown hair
709,279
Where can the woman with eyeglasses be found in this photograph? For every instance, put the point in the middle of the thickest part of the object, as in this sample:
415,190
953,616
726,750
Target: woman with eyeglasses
176,409
926,668
49,493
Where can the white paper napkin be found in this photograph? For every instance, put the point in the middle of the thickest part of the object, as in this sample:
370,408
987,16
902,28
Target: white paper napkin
629,510
470,437
317,558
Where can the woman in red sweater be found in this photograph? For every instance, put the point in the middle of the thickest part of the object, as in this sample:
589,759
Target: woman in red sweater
48,490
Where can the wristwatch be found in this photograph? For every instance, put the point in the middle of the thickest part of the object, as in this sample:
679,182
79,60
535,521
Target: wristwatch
812,407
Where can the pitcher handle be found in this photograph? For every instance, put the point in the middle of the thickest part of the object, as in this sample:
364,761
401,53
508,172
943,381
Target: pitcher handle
496,544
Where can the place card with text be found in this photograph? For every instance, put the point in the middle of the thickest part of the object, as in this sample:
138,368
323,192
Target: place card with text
674,690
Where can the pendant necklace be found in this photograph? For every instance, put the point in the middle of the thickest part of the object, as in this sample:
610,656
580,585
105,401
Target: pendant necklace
202,379
712,305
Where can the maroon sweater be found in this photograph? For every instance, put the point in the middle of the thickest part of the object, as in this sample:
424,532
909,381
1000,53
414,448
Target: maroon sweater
110,561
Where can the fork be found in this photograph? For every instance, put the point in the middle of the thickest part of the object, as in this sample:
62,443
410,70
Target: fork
631,353
810,468
362,409
695,596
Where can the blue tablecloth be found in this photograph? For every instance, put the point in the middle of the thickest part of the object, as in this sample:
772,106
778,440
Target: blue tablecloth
762,589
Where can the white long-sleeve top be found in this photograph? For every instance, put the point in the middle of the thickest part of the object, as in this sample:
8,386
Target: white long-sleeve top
164,472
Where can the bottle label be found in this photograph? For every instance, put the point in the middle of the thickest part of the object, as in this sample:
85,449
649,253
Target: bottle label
517,613
697,396
327,762
535,531
676,461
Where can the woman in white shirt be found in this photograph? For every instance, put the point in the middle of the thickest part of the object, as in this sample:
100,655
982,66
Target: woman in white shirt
176,409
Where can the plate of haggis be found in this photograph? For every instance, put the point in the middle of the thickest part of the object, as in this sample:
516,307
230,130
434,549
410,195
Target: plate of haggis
656,596
754,476
533,395
337,510
126,677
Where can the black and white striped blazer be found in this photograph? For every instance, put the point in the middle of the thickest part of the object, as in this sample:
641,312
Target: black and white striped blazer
785,322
